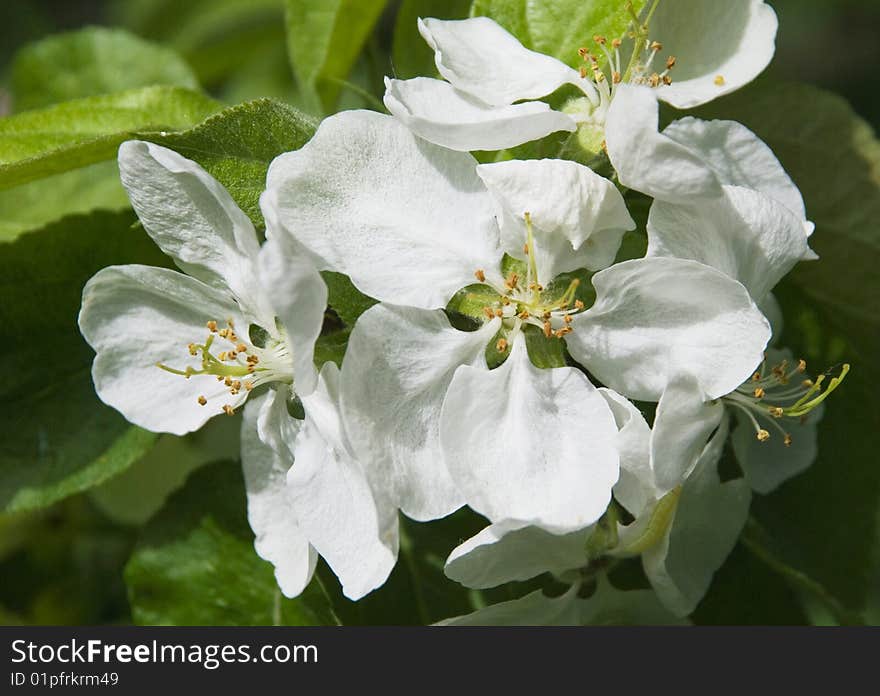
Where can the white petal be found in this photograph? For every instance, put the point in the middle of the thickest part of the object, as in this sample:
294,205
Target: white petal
659,317
396,371
299,297
745,234
708,520
738,157
733,39
683,425
578,217
334,503
513,551
407,221
607,606
436,111
194,220
137,316
530,444
480,57
265,456
648,161
636,486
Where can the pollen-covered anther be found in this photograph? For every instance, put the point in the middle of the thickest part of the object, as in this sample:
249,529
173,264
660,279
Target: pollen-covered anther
578,304
512,281
228,381
776,411
526,249
616,77
787,440
501,345
583,52
807,383
212,326
241,348
670,62
253,359
480,275
224,333
667,80
193,349
762,435
583,72
567,319
228,410
802,365
599,39
759,393
499,313
222,355
524,314
615,43
548,329
656,46
202,401
719,80
654,80
248,386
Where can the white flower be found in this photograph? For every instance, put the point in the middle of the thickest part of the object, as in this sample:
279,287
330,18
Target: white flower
175,349
683,535
691,51
412,224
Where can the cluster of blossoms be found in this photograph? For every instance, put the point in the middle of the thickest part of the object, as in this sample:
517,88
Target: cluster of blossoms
473,380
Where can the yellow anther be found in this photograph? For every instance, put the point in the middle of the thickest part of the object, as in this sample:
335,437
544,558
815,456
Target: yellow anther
578,304
248,386
224,333
236,384
512,281
501,345
762,435
524,314
667,80
583,72
776,411
654,80
807,383
480,275
253,359
193,350
719,80
567,319
756,377
526,249
490,314
599,39
241,348
615,77
802,365
615,43
228,381
228,410
759,393
222,355
499,313
583,52
656,46
548,329
787,440
219,378
212,326
670,62
202,401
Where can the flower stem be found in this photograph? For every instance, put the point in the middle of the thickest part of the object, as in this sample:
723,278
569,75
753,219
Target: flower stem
751,540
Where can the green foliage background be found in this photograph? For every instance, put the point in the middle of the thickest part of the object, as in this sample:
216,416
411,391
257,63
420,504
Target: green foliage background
101,522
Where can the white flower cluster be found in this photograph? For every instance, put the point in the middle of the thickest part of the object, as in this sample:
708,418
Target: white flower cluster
471,381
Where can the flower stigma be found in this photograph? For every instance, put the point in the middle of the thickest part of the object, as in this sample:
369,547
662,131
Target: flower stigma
782,395
241,365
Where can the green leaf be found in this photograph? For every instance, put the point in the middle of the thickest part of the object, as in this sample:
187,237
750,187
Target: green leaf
331,348
195,564
324,38
832,313
344,298
40,143
543,351
237,145
410,55
58,438
559,28
33,205
89,62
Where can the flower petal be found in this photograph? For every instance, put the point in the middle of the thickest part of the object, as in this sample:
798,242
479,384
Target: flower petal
530,444
194,220
659,317
683,425
403,359
334,504
578,217
511,551
738,157
708,519
481,58
648,161
138,316
713,39
745,234
439,113
636,486
407,221
299,297
606,606
265,456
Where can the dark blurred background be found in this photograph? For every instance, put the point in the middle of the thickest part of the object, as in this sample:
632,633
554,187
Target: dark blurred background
237,46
